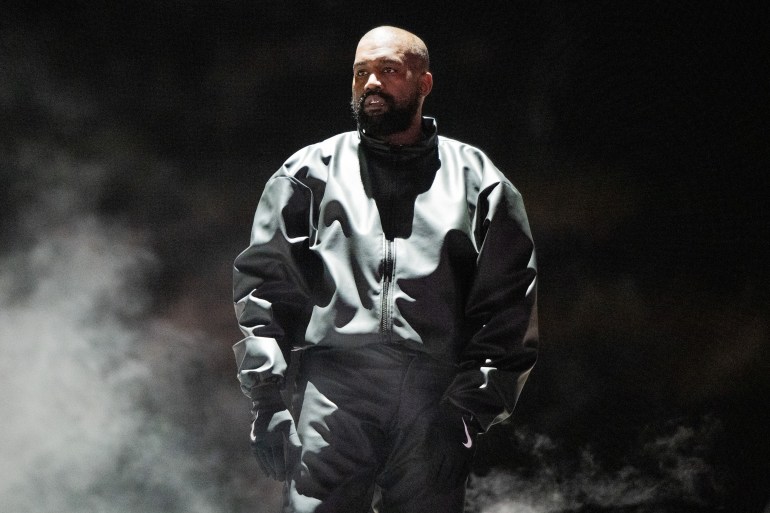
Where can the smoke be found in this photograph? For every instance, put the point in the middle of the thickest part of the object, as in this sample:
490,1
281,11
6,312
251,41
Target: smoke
67,364
109,405
71,363
669,472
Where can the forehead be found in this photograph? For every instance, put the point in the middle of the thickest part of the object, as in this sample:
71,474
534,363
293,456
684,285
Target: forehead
380,47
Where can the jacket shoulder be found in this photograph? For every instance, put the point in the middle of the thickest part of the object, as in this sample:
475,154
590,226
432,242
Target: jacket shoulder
472,161
313,160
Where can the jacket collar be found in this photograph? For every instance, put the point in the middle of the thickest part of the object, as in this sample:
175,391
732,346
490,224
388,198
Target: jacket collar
429,140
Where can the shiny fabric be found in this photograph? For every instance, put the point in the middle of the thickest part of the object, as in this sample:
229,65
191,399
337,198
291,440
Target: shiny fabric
459,285
362,420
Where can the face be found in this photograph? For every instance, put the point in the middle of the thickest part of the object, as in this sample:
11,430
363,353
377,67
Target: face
387,90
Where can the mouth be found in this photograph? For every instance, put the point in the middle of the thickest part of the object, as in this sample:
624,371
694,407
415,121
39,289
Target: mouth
373,102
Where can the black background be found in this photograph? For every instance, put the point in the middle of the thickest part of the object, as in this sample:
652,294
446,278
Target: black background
636,131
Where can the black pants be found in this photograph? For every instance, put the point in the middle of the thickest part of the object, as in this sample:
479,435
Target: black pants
361,416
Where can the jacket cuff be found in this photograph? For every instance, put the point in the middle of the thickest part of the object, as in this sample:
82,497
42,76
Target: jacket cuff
260,362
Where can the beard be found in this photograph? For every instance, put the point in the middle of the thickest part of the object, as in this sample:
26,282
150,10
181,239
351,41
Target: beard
397,118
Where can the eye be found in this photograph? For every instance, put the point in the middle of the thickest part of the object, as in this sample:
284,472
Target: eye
388,69
361,73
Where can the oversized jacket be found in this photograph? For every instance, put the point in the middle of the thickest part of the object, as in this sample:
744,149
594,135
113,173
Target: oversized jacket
461,286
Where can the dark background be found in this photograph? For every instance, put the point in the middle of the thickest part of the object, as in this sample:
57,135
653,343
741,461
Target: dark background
134,144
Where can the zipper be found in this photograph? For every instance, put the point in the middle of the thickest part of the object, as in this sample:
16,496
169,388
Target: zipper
386,323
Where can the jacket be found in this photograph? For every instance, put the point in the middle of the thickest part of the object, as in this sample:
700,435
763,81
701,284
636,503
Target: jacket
459,283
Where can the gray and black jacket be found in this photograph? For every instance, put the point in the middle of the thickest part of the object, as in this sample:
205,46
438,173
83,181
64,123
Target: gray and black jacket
341,255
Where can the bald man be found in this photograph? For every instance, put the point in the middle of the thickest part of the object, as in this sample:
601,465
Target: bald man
387,300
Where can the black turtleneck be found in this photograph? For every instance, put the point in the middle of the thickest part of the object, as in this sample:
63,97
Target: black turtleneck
395,175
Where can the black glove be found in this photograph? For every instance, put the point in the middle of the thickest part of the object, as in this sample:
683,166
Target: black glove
273,435
449,446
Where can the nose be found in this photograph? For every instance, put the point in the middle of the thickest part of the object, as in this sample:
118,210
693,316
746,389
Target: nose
372,83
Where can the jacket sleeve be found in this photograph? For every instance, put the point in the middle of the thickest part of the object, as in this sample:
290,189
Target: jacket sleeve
502,308
270,289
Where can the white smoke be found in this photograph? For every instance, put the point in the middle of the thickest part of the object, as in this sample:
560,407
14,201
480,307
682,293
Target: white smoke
67,365
670,469
106,407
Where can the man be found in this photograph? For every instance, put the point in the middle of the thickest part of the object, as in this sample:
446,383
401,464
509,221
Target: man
393,272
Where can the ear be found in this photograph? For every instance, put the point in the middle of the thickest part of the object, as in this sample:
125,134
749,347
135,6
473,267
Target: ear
426,83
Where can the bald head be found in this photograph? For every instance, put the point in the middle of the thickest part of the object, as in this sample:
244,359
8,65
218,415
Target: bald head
412,46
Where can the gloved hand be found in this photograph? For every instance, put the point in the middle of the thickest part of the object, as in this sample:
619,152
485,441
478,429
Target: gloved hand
449,446
273,435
